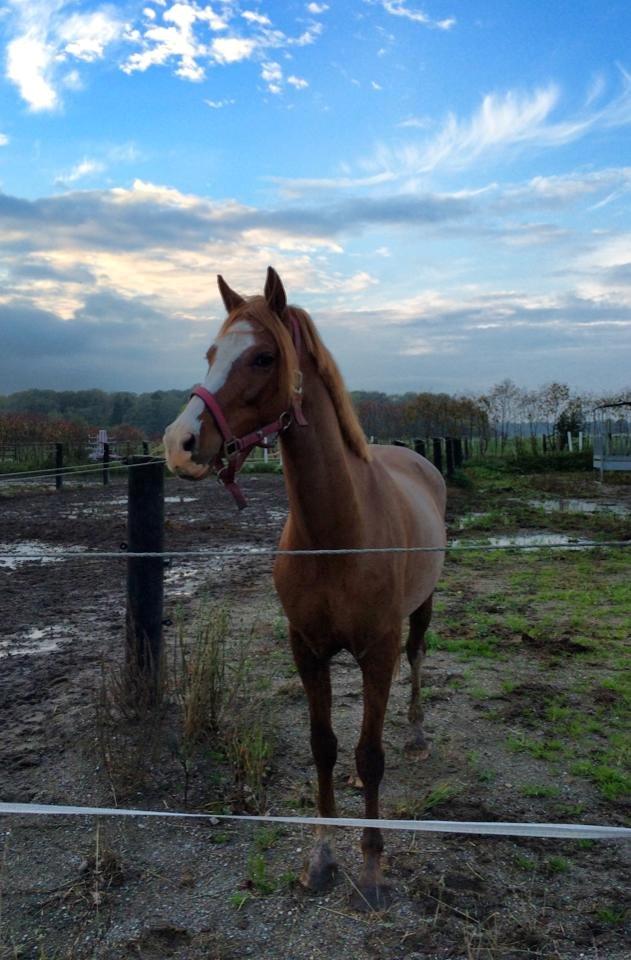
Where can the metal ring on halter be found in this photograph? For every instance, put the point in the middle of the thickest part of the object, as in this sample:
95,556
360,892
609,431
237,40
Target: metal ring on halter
285,421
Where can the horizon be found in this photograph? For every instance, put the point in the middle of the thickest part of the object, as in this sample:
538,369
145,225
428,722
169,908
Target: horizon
440,185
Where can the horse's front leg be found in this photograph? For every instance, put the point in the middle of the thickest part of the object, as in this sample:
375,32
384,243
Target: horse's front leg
377,669
314,672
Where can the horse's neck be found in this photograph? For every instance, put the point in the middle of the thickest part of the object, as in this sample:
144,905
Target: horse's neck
318,472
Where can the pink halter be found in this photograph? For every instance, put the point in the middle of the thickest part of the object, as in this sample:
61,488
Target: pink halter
237,449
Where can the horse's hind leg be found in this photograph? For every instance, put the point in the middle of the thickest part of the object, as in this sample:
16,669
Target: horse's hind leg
314,672
415,649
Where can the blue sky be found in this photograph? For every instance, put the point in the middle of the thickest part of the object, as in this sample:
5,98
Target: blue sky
445,186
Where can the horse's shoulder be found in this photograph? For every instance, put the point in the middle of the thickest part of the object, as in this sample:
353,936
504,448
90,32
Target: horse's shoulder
404,466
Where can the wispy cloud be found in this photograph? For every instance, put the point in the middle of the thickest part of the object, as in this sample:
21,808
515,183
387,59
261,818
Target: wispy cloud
85,168
399,8
502,124
4,140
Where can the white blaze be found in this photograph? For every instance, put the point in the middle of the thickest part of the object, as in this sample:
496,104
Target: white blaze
229,348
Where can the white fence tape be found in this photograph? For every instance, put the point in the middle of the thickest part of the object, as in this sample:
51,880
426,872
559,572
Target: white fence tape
562,831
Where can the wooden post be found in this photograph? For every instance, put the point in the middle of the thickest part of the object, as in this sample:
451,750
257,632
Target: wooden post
59,463
457,452
145,448
419,446
467,453
449,450
145,577
106,460
438,453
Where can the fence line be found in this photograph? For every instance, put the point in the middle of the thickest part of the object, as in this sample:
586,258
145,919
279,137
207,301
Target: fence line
277,551
564,831
52,472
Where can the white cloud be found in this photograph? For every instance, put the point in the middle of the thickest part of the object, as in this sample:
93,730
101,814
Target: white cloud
317,8
398,8
85,168
4,140
298,82
272,75
46,37
30,67
219,104
259,18
232,49
86,35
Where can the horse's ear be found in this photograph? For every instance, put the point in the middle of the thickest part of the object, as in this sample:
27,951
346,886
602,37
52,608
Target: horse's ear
275,292
231,299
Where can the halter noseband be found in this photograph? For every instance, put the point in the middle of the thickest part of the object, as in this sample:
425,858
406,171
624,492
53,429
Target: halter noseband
237,449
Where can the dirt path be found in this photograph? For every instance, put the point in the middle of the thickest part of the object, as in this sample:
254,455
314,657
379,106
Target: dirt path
512,671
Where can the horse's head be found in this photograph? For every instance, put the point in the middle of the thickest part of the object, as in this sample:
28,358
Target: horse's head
252,372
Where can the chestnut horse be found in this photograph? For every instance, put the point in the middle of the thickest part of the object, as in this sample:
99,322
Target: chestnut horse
268,365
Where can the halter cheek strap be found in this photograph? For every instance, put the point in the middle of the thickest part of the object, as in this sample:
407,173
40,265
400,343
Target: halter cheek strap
237,449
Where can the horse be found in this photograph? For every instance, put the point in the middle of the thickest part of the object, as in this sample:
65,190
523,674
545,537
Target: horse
268,370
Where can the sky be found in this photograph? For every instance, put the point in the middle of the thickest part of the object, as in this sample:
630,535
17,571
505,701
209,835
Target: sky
445,186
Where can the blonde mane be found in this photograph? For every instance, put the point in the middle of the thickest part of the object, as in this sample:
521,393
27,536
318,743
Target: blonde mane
256,308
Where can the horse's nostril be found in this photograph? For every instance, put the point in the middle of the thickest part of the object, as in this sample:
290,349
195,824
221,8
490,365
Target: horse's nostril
189,444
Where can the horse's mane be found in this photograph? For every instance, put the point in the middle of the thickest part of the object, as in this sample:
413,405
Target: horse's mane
325,364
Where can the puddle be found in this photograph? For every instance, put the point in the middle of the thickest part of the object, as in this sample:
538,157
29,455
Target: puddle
571,505
34,641
181,499
524,540
184,579
13,555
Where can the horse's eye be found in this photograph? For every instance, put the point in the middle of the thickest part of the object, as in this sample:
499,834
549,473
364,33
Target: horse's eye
263,360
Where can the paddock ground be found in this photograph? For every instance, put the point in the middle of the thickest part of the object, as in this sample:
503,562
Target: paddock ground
526,696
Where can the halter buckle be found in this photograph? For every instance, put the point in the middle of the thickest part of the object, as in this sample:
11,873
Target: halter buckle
298,382
231,448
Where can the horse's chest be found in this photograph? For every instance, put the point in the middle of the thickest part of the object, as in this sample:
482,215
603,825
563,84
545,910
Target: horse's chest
342,604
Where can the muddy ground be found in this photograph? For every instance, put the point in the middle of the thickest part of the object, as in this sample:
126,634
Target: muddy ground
524,704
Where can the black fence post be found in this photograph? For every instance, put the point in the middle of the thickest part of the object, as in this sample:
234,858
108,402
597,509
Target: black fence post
467,453
106,460
145,448
419,446
59,464
438,453
457,452
145,578
449,450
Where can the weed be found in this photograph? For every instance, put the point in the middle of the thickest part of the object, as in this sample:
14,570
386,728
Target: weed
537,792
129,734
540,749
525,863
239,898
258,877
201,673
612,915
266,837
557,865
249,750
440,794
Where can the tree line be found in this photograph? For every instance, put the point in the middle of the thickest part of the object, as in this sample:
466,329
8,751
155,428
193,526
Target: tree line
504,411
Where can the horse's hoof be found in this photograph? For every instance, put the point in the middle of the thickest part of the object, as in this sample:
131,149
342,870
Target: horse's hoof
371,898
321,870
418,748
